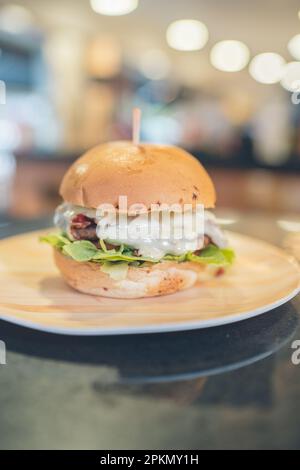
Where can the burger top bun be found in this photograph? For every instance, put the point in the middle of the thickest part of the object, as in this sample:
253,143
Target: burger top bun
146,173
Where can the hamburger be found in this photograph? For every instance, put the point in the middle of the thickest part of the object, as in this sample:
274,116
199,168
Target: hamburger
93,250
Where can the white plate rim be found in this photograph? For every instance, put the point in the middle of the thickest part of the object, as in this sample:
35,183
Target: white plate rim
151,329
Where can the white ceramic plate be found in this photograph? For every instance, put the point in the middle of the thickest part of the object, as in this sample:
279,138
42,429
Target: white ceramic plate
33,294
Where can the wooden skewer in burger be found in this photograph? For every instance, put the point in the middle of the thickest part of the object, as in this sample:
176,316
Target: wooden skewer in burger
97,254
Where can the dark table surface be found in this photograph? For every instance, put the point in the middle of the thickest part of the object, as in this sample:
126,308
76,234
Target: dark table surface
233,386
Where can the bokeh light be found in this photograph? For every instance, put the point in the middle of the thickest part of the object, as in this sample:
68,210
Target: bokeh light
294,46
291,76
267,67
155,64
187,35
10,136
104,56
230,56
161,129
15,19
114,7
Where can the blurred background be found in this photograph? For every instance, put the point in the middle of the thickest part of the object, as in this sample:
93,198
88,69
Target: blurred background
219,78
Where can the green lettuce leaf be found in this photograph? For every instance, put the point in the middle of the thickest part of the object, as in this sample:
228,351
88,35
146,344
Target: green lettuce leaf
84,250
176,258
117,271
55,239
118,256
213,255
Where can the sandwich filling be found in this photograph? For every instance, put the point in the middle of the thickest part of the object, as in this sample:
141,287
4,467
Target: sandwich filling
84,236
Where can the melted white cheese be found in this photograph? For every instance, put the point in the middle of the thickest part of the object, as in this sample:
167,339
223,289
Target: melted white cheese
134,231
213,231
154,237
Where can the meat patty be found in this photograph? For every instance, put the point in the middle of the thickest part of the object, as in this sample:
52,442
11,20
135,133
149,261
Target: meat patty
83,228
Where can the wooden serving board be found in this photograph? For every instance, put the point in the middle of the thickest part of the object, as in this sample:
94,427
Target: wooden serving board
33,294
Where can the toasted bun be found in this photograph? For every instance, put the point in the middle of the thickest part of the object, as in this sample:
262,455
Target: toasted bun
147,174
159,279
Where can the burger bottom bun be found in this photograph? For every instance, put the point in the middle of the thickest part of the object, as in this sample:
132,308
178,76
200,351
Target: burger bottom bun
147,281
